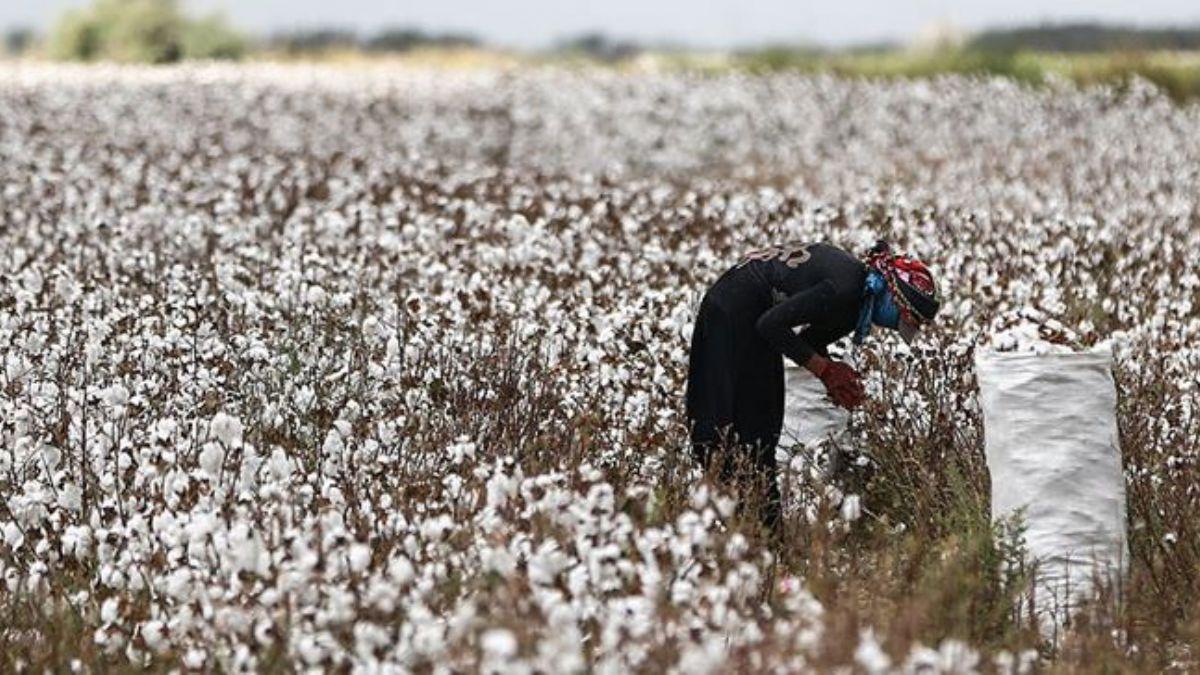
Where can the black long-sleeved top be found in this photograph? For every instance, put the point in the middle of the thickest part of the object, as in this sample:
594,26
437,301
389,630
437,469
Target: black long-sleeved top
816,288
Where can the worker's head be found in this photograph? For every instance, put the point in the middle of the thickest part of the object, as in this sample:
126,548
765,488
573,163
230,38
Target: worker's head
912,299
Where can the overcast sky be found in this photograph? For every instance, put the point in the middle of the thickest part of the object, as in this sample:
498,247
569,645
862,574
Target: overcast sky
713,23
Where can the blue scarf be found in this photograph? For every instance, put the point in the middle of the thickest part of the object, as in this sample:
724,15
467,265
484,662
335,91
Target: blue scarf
878,307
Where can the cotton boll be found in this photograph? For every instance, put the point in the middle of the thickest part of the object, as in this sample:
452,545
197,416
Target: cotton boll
77,541
851,509
316,296
194,659
869,655
227,429
155,635
70,497
51,456
400,569
116,396
498,643
279,466
371,328
359,557
109,610
212,457
333,445
13,536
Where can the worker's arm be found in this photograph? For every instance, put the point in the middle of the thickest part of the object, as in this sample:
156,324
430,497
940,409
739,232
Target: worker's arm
805,307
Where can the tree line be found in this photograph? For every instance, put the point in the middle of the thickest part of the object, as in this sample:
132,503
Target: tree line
159,31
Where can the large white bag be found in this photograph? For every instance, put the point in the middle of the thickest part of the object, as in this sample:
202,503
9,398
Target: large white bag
1050,432
809,416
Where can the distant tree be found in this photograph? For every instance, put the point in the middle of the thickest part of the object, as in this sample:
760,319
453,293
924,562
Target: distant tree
315,40
212,38
18,40
141,31
146,31
76,37
600,46
1086,37
404,39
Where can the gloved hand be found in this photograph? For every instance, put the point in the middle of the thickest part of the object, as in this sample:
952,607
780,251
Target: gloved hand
842,383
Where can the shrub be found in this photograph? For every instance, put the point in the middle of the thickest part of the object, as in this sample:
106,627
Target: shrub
212,38
141,31
18,40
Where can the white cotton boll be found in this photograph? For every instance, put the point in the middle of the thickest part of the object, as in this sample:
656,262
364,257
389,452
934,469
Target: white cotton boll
212,456
116,396
279,466
333,444
315,295
499,489
851,508
546,564
1008,664
227,429
92,351
13,536
178,584
498,561
16,368
154,633
359,558
32,281
258,352
109,610
194,659
869,655
264,632
736,547
310,651
436,529
498,643
462,449
246,552
303,398
34,343
67,289
77,541
70,497
51,456
401,570
922,659
707,657
955,656
371,327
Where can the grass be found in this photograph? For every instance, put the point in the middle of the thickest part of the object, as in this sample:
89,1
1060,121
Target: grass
1177,73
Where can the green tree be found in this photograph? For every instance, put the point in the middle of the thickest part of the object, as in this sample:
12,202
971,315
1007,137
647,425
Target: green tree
212,38
141,31
18,40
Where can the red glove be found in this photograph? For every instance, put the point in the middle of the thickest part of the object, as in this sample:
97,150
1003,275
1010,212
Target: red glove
842,383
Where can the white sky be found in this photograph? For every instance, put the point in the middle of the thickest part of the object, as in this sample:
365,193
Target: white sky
712,23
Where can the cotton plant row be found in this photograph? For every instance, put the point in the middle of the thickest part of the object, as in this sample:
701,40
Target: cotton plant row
384,368
493,568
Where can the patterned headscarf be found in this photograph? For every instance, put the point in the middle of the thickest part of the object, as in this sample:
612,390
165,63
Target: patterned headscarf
910,281
896,282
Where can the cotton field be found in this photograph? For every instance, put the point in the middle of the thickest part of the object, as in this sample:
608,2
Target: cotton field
382,370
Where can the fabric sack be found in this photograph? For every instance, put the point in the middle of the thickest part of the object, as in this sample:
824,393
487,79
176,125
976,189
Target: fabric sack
1050,435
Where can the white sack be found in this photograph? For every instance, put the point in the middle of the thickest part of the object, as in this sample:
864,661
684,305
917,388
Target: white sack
809,416
1050,432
